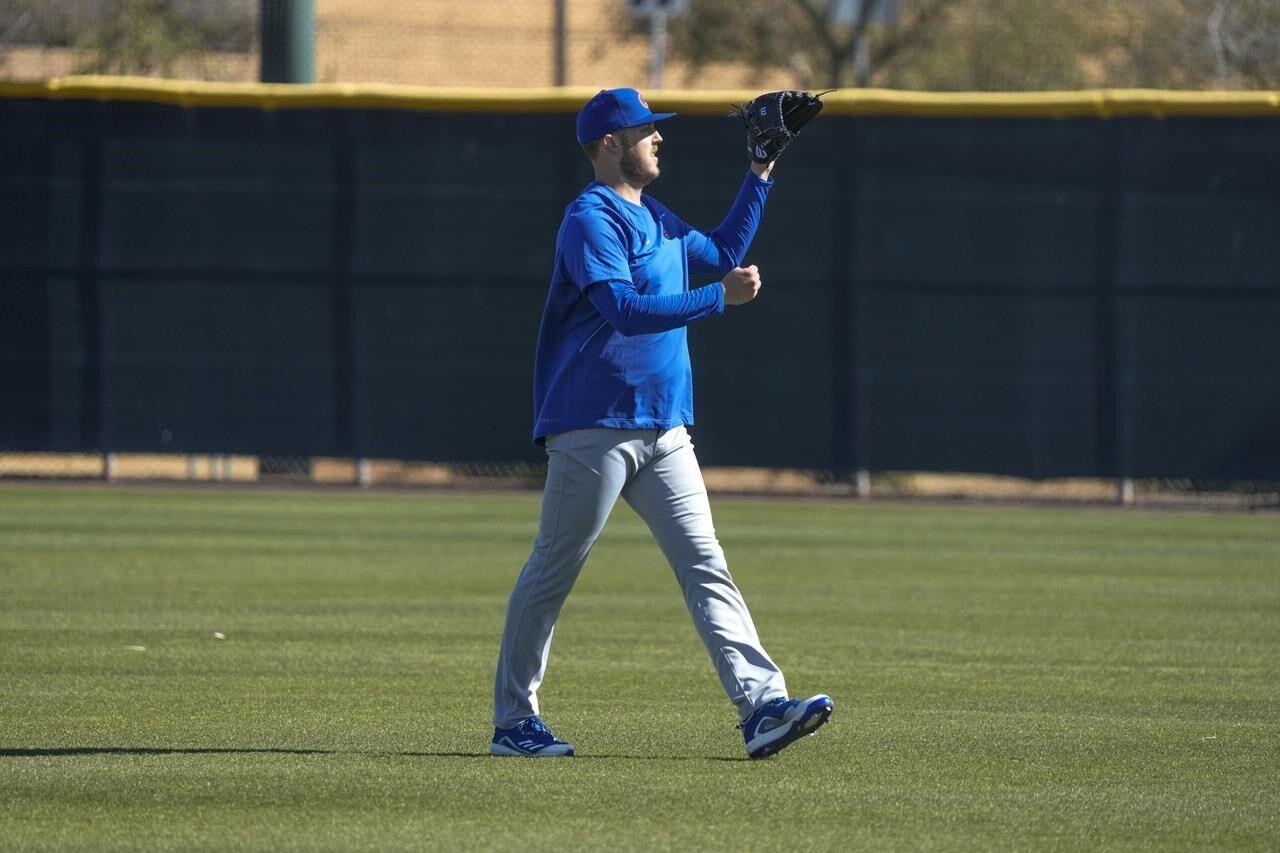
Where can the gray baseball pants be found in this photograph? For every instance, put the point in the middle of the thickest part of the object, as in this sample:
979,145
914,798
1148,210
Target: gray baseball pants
657,473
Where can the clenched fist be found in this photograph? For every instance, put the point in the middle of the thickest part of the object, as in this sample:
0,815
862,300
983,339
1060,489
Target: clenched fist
741,285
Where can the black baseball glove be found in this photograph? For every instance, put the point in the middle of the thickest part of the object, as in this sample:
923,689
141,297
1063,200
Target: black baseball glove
774,118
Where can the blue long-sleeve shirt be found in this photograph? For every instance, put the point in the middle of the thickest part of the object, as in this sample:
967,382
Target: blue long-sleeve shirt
612,348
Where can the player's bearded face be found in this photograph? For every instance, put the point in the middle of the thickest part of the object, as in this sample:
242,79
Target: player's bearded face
639,162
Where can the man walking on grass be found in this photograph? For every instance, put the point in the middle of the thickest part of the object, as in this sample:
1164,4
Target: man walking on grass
613,397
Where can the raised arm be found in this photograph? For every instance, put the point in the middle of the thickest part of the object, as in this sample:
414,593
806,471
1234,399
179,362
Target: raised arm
723,248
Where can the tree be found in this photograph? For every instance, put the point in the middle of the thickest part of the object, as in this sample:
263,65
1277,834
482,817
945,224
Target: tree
814,39
1231,44
151,36
130,36
1003,45
991,44
136,37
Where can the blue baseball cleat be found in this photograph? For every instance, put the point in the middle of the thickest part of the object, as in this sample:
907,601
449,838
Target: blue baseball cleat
779,723
530,738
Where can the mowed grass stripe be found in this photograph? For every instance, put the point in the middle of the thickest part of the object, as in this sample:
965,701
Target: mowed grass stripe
1005,678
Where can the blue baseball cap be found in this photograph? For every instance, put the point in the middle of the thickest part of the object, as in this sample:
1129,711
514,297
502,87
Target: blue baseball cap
614,109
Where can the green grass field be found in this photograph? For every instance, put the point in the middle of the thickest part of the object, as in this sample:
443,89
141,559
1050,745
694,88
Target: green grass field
1004,678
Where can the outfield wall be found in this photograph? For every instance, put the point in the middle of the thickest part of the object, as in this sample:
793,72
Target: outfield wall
1061,284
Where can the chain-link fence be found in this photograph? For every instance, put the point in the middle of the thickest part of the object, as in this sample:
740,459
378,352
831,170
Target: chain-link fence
913,44
489,43
322,472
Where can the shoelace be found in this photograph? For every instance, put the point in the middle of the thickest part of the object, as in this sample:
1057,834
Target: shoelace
535,724
770,703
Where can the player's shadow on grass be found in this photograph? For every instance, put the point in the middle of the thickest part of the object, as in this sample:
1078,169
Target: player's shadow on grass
70,751
178,750
593,756
588,757
152,750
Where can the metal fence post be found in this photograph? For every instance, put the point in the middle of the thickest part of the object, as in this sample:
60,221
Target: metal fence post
847,445
1125,492
88,286
340,296
1109,419
288,41
560,27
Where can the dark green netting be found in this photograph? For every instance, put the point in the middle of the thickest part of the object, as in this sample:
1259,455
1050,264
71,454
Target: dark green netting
1025,296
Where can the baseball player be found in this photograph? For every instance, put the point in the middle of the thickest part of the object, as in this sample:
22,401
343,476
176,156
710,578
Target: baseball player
612,400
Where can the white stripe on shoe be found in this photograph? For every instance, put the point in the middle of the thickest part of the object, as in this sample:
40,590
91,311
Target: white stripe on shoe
505,747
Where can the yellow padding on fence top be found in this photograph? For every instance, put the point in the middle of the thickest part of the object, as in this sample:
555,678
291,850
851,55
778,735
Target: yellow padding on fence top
1104,103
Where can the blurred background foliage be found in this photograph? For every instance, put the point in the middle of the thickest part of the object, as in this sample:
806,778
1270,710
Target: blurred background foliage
993,44
130,36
